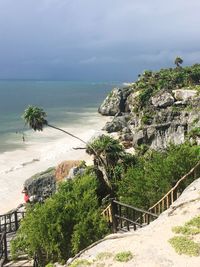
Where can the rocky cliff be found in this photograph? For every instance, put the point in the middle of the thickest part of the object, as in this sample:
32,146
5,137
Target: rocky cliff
158,109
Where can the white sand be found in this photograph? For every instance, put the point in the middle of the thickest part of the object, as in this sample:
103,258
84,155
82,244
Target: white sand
42,150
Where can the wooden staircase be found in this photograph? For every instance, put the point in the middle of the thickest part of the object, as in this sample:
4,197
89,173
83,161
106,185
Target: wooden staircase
9,224
125,217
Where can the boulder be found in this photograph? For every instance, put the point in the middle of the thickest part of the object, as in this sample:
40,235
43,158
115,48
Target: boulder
162,100
42,184
74,172
63,169
116,125
184,94
132,101
113,104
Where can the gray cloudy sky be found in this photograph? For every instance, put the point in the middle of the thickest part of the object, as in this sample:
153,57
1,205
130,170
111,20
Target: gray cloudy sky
95,40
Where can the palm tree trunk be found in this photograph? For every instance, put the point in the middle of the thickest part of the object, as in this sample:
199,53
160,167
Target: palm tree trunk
95,153
59,129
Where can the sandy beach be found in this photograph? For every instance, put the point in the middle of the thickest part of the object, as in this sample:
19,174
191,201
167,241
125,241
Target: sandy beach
42,150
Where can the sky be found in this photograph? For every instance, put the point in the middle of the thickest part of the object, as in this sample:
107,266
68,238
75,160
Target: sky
90,40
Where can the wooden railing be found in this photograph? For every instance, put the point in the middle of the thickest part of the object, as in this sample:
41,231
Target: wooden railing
3,248
125,217
9,222
107,214
167,200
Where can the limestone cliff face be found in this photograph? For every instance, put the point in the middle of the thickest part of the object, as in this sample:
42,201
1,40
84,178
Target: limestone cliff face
169,116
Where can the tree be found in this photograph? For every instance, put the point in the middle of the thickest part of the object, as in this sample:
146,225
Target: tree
178,61
110,152
35,117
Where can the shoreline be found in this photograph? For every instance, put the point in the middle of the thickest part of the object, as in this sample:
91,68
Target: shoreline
55,147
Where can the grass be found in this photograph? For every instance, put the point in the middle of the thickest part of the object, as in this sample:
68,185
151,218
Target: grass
50,265
104,256
80,263
124,256
185,230
184,245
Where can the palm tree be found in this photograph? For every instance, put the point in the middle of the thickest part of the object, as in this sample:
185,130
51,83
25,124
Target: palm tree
178,61
35,117
110,152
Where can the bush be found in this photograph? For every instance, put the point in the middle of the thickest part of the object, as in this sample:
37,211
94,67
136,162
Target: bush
155,173
64,224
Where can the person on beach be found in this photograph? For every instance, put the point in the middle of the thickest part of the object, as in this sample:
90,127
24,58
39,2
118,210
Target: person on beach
26,196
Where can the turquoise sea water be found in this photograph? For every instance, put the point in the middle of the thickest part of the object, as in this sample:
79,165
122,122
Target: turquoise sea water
66,103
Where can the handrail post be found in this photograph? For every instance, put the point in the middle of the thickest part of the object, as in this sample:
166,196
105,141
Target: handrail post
16,220
5,246
113,212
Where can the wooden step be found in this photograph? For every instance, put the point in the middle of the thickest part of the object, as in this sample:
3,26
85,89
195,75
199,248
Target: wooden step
22,263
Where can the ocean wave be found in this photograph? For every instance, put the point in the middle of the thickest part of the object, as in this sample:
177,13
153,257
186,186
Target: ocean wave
21,165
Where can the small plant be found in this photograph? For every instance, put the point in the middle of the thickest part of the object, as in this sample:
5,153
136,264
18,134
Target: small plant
194,132
186,230
104,256
80,263
194,222
50,265
124,256
184,245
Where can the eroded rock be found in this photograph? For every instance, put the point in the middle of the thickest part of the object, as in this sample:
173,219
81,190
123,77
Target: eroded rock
184,94
113,104
162,100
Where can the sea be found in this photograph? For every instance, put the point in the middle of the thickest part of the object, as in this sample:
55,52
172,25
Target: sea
66,104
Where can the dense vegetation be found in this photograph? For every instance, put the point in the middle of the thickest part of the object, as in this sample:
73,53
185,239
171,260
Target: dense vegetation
64,224
155,173
151,82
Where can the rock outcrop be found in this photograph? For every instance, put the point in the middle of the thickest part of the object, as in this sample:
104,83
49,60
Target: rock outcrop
41,185
63,169
169,116
115,102
162,100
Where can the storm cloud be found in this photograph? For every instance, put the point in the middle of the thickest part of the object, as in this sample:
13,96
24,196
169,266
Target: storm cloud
95,40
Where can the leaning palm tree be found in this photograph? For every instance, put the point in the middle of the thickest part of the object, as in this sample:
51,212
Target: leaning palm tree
178,61
36,118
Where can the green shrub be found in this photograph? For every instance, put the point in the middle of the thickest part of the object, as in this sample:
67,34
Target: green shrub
80,263
184,245
64,224
124,256
155,173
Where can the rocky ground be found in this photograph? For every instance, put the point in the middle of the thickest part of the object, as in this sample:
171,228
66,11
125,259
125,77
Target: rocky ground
149,245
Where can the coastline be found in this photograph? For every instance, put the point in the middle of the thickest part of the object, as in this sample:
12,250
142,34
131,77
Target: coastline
50,148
